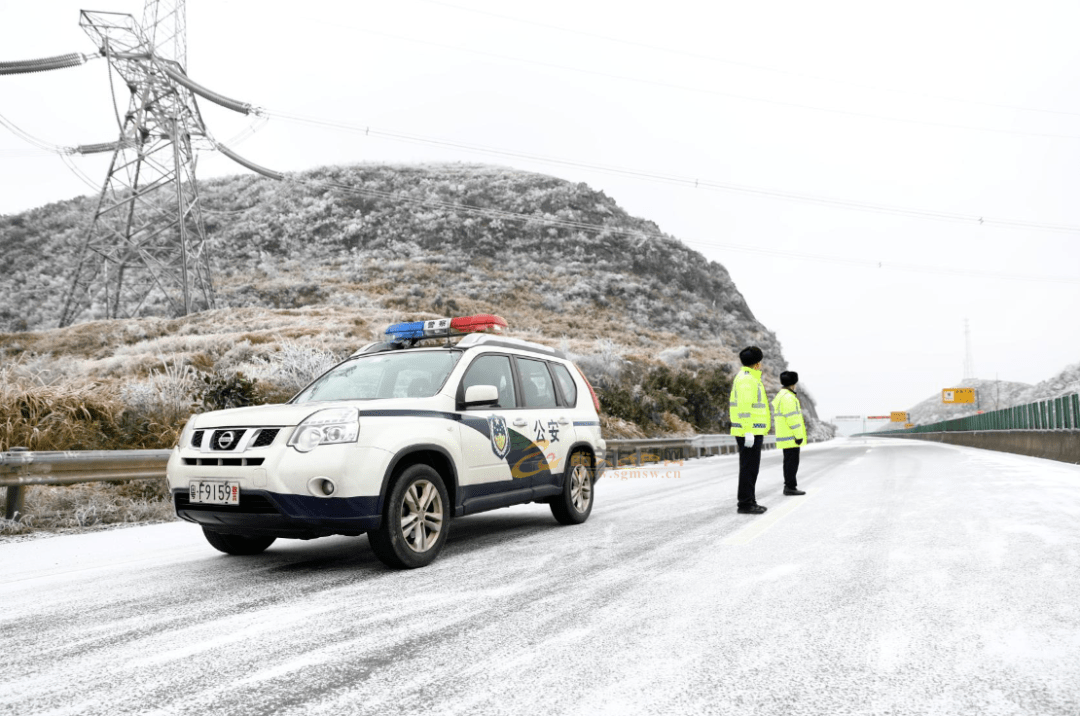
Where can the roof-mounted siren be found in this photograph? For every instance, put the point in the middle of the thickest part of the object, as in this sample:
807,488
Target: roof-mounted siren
414,331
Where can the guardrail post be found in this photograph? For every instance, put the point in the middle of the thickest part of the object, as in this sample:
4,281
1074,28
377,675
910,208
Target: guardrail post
16,495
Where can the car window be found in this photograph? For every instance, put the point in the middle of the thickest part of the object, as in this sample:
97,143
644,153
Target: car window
383,375
536,386
566,383
492,370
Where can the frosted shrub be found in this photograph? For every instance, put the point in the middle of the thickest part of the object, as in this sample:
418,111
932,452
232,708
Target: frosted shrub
37,369
168,392
240,353
292,367
672,356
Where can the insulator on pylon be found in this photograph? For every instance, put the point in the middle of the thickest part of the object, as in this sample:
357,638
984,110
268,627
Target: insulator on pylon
58,62
103,147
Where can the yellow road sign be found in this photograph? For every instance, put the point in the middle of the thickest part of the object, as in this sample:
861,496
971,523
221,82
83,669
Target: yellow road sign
898,416
958,395
909,425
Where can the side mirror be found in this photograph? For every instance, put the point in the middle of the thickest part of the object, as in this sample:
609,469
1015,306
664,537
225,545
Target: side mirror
478,395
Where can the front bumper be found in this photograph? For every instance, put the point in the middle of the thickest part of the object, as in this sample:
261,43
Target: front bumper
271,514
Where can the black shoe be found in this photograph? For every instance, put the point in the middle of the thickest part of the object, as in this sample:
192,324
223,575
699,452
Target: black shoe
793,491
752,509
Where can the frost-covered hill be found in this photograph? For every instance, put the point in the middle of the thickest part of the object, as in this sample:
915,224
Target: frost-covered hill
1067,382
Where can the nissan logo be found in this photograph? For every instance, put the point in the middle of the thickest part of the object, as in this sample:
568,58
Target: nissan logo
225,440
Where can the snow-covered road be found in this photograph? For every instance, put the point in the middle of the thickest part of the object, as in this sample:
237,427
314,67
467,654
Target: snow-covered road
914,578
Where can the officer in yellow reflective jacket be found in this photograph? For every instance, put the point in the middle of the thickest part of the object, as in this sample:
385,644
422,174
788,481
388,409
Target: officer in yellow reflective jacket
749,412
790,429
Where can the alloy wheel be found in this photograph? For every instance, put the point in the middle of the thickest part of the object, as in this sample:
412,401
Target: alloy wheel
421,515
580,488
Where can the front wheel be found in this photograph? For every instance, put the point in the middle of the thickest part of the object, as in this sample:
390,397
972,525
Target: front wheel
574,505
415,521
237,544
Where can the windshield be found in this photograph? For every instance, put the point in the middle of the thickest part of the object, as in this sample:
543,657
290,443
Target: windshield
384,375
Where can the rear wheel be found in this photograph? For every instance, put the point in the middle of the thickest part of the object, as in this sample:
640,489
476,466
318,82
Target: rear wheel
574,505
415,521
237,544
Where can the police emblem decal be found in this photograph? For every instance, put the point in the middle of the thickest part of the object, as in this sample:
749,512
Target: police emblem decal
500,437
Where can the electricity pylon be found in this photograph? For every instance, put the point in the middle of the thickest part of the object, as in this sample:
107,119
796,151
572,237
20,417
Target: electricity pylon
147,243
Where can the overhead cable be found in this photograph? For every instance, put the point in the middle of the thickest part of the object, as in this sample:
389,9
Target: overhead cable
673,179
748,65
610,230
234,105
706,91
30,139
246,162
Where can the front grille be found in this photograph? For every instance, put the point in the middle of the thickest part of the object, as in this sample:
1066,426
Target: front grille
226,439
250,504
265,437
224,461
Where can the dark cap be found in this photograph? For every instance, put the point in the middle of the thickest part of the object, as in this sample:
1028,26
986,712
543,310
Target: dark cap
751,355
789,377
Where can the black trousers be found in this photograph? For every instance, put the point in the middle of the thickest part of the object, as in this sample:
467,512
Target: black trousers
749,464
791,466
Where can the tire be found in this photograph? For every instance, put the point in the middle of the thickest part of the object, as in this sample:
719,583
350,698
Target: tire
404,541
575,503
237,544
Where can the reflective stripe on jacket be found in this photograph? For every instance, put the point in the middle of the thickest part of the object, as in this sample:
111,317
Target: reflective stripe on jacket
749,411
790,425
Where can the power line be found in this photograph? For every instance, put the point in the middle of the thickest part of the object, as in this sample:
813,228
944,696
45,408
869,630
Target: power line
737,63
673,179
602,228
607,229
70,164
32,140
700,90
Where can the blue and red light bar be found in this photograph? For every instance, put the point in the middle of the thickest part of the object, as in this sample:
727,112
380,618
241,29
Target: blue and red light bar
446,327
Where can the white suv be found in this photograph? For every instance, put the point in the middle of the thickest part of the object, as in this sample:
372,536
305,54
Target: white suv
394,442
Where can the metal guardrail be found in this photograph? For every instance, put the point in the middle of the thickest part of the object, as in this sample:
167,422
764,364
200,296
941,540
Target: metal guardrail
19,467
633,452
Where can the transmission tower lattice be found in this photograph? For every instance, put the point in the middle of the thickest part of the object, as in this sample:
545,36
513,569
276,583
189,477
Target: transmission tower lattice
147,244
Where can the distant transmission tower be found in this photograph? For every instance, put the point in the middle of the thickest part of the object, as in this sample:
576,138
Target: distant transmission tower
969,361
147,241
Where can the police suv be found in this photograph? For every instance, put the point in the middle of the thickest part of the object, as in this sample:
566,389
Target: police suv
395,441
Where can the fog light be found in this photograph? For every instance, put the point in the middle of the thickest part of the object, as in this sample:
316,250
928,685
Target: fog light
321,486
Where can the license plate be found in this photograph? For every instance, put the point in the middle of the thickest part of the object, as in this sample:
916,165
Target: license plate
214,492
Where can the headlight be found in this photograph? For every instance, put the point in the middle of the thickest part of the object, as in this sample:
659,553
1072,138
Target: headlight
185,434
327,427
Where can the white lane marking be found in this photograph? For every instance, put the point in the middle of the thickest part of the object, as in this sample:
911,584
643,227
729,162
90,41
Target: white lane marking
758,527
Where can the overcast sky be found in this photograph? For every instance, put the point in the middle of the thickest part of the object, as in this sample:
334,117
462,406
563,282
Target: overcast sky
788,114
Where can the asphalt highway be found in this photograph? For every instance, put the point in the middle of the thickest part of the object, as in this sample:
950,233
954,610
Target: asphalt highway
913,578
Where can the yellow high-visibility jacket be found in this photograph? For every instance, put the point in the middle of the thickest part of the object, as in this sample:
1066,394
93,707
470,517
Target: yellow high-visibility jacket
790,425
748,410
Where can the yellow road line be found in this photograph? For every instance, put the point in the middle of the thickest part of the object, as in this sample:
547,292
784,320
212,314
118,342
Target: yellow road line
761,524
